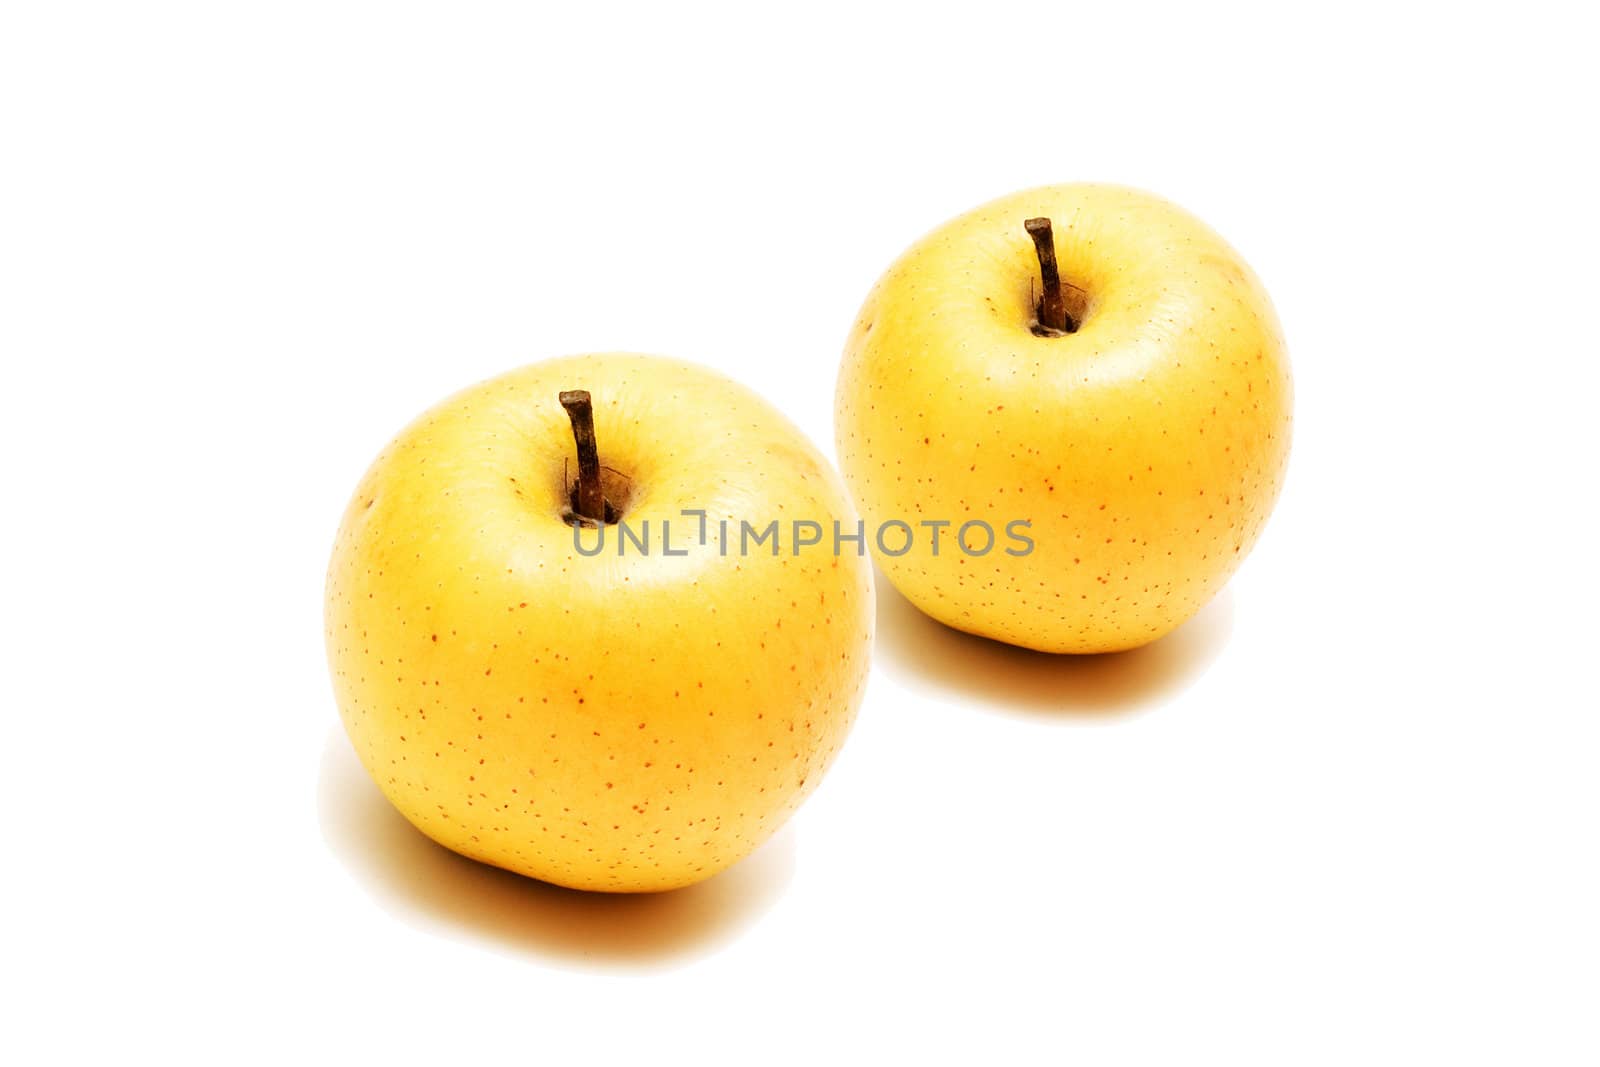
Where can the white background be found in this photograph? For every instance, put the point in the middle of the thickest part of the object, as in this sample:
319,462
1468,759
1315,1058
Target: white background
1347,815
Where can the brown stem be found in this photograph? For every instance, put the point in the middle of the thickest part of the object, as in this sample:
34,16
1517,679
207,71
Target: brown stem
1053,317
589,501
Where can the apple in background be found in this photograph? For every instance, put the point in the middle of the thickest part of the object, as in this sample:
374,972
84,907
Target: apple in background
1091,360
627,722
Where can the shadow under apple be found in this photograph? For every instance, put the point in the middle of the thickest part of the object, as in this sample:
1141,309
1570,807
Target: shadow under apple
925,653
427,885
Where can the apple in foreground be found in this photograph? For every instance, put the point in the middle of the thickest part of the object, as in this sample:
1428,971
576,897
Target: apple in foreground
628,720
1088,361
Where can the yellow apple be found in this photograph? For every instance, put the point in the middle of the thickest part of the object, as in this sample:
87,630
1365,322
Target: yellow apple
607,718
1138,441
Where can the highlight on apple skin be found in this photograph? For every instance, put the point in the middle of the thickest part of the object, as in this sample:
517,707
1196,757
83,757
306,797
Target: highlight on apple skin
619,722
1136,415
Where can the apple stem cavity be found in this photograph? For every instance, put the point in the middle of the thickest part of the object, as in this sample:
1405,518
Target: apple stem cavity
1053,318
588,497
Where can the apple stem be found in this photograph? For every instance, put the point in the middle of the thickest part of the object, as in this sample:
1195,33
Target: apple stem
589,499
1053,318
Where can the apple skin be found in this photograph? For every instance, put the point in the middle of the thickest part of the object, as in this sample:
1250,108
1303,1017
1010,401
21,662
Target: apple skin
622,724
1147,448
